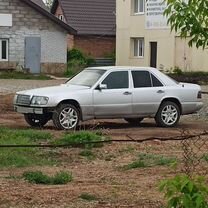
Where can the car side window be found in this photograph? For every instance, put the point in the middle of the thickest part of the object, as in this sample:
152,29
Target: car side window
156,82
141,79
117,80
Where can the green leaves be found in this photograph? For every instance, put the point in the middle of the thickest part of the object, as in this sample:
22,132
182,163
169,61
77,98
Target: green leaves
190,19
183,192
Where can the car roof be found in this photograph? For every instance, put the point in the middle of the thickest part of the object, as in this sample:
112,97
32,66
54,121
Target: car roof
163,77
122,67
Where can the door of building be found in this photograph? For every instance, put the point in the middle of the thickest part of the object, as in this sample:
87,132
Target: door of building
153,54
33,54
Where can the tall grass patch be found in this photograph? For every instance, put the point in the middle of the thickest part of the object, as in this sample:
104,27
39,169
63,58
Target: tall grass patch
22,157
82,139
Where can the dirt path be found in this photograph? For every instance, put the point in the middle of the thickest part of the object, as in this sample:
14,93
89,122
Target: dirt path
102,176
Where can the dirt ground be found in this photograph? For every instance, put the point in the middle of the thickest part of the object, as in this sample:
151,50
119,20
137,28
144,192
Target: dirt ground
101,177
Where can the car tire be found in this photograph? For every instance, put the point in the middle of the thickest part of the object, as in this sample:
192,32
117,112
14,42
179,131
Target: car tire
36,120
168,114
134,121
66,117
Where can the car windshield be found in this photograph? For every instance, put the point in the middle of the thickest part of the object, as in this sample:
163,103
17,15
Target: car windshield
87,77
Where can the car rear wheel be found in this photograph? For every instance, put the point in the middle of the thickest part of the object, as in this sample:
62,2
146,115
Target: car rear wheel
134,121
66,117
36,120
168,114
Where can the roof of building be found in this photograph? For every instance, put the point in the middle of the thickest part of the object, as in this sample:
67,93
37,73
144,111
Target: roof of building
89,17
36,4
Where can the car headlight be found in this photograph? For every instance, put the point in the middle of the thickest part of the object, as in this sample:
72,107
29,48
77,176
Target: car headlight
39,100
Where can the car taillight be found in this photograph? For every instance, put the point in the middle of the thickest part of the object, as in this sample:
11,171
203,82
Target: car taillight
199,96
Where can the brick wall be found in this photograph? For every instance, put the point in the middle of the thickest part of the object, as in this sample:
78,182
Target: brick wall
27,22
95,46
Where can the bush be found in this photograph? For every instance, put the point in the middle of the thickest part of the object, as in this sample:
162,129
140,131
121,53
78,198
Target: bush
183,192
38,177
76,61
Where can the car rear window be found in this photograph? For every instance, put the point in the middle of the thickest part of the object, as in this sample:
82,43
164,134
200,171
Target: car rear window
156,82
141,79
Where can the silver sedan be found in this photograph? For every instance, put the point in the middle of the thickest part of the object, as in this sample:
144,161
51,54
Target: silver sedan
132,93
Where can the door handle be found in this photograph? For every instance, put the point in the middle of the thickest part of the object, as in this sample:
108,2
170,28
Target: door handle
127,93
160,91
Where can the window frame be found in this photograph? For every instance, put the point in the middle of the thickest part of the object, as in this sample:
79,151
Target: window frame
142,44
61,17
136,11
7,49
128,74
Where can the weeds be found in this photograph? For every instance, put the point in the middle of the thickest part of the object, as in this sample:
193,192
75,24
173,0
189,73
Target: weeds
22,75
88,197
78,138
22,157
88,154
38,177
149,160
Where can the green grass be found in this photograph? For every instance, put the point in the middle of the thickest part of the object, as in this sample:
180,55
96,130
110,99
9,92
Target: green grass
22,157
149,160
87,154
88,197
21,75
78,138
38,177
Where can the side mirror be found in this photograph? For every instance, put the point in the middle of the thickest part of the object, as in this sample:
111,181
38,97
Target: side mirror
102,86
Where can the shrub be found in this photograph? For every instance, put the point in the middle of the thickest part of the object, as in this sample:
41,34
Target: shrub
38,177
183,192
76,61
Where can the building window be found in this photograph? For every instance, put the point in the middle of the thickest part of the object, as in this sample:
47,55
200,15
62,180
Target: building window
61,17
138,47
138,6
3,50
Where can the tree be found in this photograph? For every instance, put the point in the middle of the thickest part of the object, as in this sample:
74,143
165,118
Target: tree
190,19
48,3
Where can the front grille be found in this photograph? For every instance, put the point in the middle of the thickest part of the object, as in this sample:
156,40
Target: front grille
23,99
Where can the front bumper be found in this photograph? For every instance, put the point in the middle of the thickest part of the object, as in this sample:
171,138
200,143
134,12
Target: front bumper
26,110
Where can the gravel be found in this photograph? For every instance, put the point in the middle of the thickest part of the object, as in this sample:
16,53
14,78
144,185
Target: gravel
9,86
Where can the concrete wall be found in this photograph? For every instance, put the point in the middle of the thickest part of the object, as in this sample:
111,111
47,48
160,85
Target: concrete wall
28,22
170,51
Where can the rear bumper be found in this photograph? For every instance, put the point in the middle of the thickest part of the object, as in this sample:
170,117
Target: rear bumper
27,110
189,108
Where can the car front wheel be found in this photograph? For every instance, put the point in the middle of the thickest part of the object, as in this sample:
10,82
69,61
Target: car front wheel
36,120
168,114
66,117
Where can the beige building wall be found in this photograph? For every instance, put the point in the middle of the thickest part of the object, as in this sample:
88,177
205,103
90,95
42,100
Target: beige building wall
170,49
190,59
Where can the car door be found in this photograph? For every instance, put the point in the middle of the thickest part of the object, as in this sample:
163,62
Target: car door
116,99
147,92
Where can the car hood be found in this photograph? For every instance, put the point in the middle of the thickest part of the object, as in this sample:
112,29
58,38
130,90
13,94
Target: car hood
47,91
